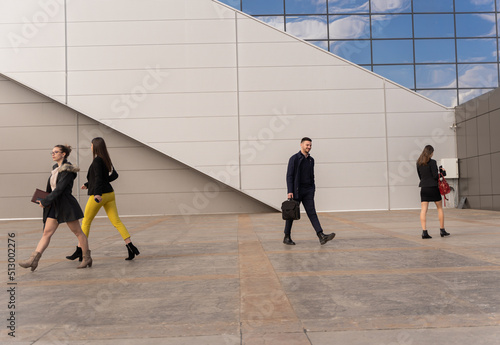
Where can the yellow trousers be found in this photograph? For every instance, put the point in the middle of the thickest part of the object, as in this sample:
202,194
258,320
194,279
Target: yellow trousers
108,201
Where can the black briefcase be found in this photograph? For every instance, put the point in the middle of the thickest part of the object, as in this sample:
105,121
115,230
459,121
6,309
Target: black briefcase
290,210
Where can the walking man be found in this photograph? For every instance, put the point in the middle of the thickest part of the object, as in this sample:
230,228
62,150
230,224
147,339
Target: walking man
301,187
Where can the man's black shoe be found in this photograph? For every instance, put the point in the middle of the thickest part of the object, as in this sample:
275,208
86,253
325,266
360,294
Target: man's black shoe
288,240
325,238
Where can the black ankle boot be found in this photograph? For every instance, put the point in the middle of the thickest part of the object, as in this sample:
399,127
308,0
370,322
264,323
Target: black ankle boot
425,234
444,233
325,238
132,251
77,254
288,240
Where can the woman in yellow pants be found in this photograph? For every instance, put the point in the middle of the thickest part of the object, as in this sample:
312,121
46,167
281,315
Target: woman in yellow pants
101,194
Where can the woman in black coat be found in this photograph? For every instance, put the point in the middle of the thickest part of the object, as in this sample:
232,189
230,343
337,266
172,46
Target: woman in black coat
60,206
428,173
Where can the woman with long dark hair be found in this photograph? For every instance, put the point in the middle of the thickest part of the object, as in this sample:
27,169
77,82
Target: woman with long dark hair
428,173
60,206
101,194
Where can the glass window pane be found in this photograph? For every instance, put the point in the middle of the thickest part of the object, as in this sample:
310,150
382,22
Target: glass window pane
392,26
477,50
263,6
477,75
353,26
436,50
393,6
476,25
466,95
393,51
474,5
436,76
401,74
307,27
277,21
305,7
233,3
434,25
321,44
348,6
448,98
433,6
358,52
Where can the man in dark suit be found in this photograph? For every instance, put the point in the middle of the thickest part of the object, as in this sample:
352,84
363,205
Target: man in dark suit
301,187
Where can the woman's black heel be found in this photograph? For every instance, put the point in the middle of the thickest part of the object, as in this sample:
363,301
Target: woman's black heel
444,233
425,234
132,251
77,254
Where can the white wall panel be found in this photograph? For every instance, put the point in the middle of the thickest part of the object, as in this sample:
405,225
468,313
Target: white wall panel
151,32
154,10
140,83
38,59
14,93
21,35
31,11
409,148
312,102
286,53
160,56
350,199
406,197
419,124
306,78
319,126
49,83
159,105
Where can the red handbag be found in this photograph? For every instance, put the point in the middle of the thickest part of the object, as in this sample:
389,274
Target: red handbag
444,187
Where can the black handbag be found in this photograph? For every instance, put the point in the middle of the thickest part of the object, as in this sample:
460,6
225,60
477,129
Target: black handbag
290,210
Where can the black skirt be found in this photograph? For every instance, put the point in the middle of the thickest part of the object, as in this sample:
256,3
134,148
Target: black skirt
428,194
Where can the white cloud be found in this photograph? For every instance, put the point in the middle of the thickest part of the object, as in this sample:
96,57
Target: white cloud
346,6
308,28
350,27
390,5
478,76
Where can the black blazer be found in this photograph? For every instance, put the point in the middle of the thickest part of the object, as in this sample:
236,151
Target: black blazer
99,178
293,173
429,174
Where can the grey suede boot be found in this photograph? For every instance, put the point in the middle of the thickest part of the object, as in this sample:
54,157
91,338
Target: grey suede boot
32,261
86,261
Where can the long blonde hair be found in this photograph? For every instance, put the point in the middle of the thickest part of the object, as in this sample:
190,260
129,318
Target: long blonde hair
425,156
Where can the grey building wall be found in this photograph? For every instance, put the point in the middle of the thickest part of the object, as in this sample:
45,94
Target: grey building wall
478,148
149,183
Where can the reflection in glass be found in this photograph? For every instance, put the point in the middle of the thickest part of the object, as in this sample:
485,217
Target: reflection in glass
321,44
477,50
435,50
401,74
305,7
448,98
433,6
392,51
307,27
353,26
475,5
436,76
392,6
355,51
392,26
476,25
434,25
263,6
233,3
465,95
348,6
276,21
477,75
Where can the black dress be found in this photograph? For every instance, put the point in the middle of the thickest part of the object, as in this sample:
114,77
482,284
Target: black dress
429,176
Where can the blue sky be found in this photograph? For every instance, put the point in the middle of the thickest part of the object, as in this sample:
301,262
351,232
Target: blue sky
419,51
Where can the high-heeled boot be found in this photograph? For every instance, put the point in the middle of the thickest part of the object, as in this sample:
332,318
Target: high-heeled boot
132,251
444,233
86,261
77,254
32,261
425,234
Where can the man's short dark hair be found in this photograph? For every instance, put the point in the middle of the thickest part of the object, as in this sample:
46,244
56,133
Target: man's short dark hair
306,139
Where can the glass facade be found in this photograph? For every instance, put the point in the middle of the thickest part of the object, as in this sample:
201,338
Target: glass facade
446,50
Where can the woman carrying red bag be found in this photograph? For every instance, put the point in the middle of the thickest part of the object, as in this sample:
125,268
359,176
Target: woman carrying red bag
428,173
